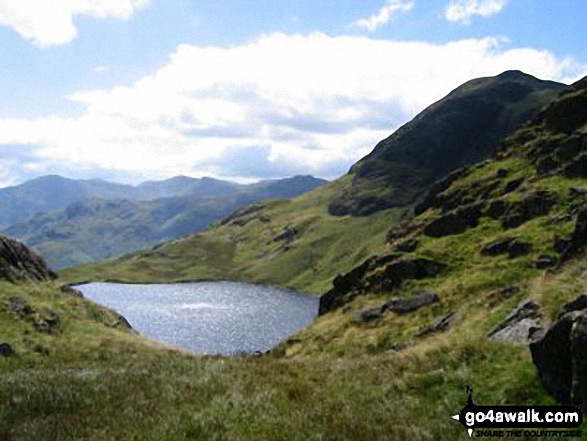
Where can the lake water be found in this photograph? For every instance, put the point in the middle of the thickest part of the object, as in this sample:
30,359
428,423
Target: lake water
211,317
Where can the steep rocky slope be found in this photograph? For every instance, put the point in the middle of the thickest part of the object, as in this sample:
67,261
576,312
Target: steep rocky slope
460,129
18,263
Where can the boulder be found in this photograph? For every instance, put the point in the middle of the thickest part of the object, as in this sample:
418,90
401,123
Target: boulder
370,314
523,325
577,168
497,247
440,325
518,248
527,208
405,305
497,208
6,350
407,246
512,185
578,239
20,306
447,225
417,268
561,354
544,262
66,289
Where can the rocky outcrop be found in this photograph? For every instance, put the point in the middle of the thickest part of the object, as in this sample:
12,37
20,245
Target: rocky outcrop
441,325
561,355
509,245
405,305
523,325
388,273
527,208
19,264
6,350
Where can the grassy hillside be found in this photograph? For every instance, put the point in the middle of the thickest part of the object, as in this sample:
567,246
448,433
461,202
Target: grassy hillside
296,244
94,229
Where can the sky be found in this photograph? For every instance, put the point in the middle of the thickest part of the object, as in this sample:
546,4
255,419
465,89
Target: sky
134,90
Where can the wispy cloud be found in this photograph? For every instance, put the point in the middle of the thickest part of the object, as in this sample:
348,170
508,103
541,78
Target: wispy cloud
292,103
385,14
48,23
462,10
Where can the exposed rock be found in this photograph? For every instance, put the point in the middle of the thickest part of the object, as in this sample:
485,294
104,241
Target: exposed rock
288,235
431,199
66,289
497,247
440,325
513,247
121,321
347,286
404,305
497,208
554,357
528,207
578,239
578,191
370,314
20,306
397,347
561,244
502,294
544,262
407,246
523,325
502,173
578,304
577,168
418,268
456,221
48,323
446,225
6,350
512,185
19,264
518,248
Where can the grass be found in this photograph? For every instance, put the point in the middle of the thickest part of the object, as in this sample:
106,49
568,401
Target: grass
247,250
99,383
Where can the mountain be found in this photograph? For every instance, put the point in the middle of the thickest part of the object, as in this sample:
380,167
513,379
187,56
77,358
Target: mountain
483,280
53,192
302,244
460,129
94,229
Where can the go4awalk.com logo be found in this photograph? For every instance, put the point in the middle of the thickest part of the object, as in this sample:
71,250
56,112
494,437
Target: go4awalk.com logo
520,421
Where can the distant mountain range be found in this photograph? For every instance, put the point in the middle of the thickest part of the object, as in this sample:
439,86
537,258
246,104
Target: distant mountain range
72,221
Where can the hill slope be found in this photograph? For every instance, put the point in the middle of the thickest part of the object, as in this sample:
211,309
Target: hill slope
509,229
95,229
301,244
460,129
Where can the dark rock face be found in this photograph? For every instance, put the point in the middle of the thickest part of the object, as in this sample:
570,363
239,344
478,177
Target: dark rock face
527,208
357,281
552,356
523,325
497,208
561,355
19,264
410,304
513,247
407,246
370,314
544,262
121,321
447,225
578,239
6,350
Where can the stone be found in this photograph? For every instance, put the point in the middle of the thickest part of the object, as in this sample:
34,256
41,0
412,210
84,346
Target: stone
66,289
446,225
497,208
518,248
497,247
20,306
502,173
523,325
512,185
578,304
403,305
371,314
527,208
578,239
577,168
544,262
441,325
6,350
19,264
407,246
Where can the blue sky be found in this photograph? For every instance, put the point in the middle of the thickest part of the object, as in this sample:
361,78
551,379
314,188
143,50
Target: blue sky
131,90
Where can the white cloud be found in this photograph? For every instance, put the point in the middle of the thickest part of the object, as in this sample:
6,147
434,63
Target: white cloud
305,103
100,69
385,14
47,23
463,10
